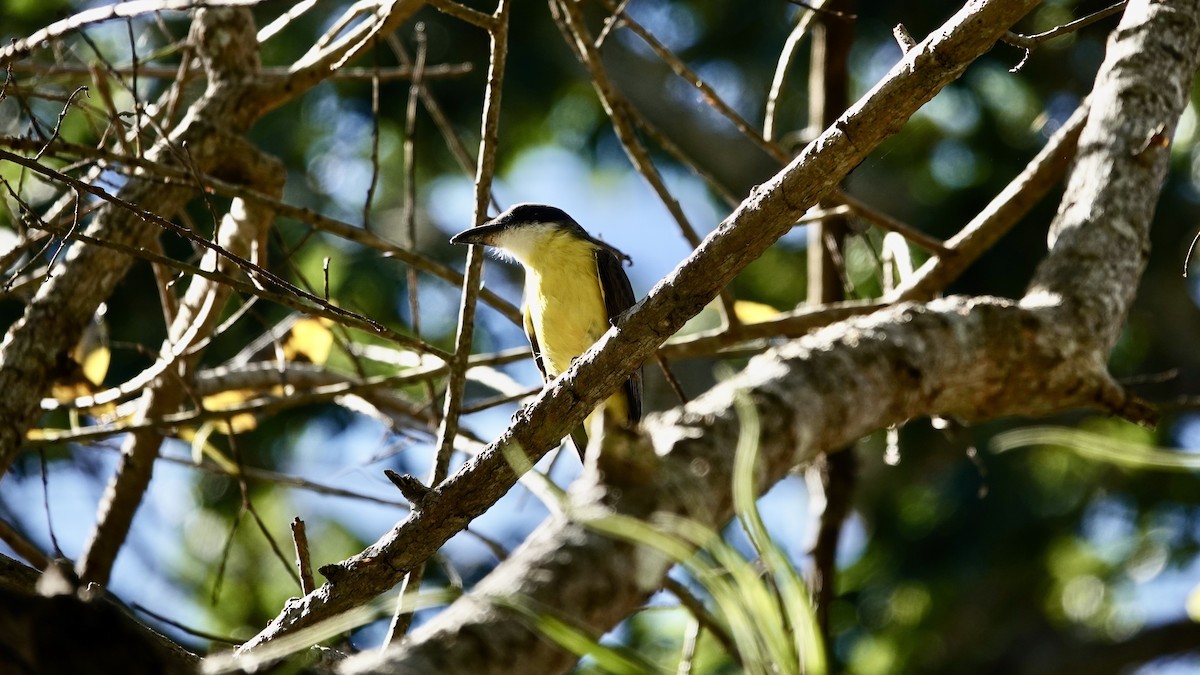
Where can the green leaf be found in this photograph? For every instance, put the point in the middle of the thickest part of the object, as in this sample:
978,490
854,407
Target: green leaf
1100,447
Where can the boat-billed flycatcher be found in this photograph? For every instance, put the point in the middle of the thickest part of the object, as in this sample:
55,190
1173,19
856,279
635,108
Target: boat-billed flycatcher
574,290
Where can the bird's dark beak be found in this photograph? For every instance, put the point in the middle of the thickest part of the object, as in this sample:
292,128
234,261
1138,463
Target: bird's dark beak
480,234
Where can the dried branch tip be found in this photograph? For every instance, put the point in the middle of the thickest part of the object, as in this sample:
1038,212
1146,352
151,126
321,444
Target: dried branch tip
413,490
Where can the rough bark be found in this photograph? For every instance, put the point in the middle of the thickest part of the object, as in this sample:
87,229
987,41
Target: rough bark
969,358
768,213
973,358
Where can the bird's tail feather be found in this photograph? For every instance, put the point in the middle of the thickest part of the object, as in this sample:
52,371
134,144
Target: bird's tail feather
579,438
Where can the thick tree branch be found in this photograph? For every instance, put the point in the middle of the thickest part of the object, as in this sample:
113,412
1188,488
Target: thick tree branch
1100,238
957,357
977,237
765,216
972,359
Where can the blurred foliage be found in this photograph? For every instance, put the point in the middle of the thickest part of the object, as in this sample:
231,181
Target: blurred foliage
967,561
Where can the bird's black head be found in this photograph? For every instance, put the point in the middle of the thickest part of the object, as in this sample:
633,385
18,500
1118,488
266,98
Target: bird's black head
533,214
520,215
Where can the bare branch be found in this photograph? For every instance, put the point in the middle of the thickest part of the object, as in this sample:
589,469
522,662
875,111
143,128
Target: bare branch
1042,173
761,219
1029,42
120,10
328,55
303,562
957,356
485,169
435,71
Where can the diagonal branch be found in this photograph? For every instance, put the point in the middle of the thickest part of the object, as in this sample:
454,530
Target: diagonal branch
766,215
326,56
121,10
1003,213
973,358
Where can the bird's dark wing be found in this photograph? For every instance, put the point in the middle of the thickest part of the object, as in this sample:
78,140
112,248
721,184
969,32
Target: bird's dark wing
527,322
618,297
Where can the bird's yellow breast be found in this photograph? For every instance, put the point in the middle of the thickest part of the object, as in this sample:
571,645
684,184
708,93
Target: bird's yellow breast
563,300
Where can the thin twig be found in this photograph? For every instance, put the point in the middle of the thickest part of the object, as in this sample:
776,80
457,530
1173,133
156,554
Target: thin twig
459,11
612,21
226,548
248,506
410,191
263,404
1187,259
58,125
786,54
620,112
502,399
330,54
222,639
1032,42
279,479
886,222
255,271
655,134
453,141
390,74
70,234
303,560
1005,210
670,378
138,108
457,363
681,69
58,553
697,609
370,199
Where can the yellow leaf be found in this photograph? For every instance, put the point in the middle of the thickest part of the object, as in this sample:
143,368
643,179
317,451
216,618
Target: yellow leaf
749,311
1193,605
95,364
66,392
236,423
201,448
309,340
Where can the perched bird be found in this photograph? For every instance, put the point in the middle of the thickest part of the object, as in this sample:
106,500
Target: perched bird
574,290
